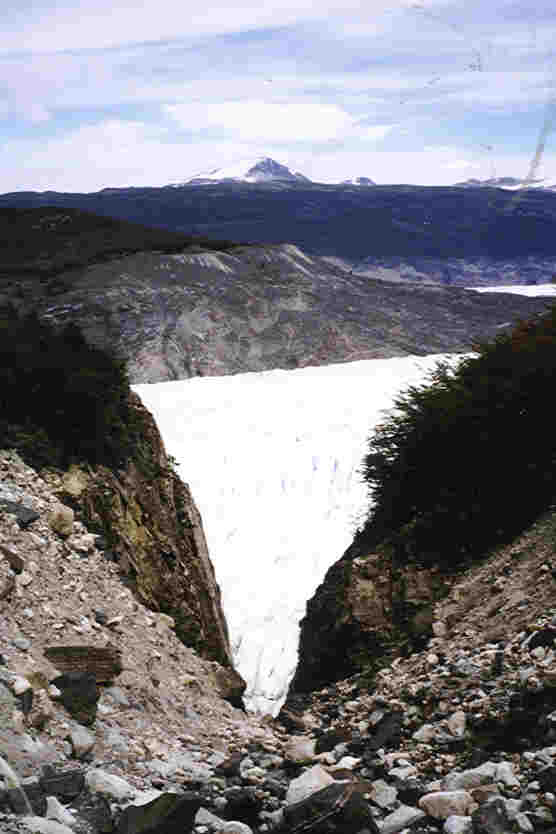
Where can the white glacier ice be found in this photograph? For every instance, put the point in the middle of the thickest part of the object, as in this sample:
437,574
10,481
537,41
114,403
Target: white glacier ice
531,290
272,460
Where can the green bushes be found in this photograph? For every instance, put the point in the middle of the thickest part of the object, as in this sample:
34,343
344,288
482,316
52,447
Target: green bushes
60,399
468,460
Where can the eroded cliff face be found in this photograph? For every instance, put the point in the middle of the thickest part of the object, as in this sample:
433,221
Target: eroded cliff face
153,530
366,610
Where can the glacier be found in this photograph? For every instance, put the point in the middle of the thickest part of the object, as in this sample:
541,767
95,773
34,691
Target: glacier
532,290
273,460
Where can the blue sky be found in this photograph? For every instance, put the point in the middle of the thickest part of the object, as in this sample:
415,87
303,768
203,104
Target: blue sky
107,93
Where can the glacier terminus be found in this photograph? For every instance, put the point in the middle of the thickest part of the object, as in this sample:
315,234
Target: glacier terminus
273,460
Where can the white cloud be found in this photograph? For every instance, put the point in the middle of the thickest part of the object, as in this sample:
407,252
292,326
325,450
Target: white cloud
120,153
442,165
103,23
286,121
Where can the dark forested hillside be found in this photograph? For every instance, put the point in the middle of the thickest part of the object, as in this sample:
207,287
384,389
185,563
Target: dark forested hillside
468,460
340,220
49,240
61,400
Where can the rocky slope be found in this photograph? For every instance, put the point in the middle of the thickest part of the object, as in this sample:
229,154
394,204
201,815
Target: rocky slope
175,314
368,609
69,615
132,735
463,728
479,271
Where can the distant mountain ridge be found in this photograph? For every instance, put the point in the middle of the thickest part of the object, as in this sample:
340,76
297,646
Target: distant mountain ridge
358,181
510,183
255,170
260,169
458,236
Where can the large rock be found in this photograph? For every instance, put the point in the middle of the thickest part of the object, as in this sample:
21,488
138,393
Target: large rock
300,749
79,694
28,795
485,774
39,825
82,742
170,813
229,684
383,794
444,804
109,785
56,811
312,780
64,784
491,818
458,825
61,520
243,805
339,807
23,515
104,663
400,819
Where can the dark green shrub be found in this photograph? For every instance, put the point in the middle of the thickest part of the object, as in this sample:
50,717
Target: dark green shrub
468,460
61,400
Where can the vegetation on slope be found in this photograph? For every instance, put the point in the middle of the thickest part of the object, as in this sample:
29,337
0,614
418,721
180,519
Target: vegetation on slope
350,222
467,460
47,241
60,399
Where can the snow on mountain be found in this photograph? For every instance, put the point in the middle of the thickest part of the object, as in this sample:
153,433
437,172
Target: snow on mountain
531,290
272,459
257,170
510,183
358,181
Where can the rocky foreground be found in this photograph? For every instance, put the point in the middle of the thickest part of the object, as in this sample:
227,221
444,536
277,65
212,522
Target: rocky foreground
112,724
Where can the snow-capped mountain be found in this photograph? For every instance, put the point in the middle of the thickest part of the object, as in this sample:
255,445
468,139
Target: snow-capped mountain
510,183
257,170
358,181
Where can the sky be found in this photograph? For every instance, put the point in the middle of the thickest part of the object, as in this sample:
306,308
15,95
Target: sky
107,93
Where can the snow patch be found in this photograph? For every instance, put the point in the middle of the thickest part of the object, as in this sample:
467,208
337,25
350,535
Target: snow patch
253,170
532,290
206,259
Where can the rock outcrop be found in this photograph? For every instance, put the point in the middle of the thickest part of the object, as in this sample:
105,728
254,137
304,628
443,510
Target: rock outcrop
152,529
366,610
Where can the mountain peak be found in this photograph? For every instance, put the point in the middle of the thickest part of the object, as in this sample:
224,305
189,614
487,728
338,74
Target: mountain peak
358,181
509,183
254,170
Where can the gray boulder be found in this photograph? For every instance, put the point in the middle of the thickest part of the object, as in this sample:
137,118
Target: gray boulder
338,807
170,813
